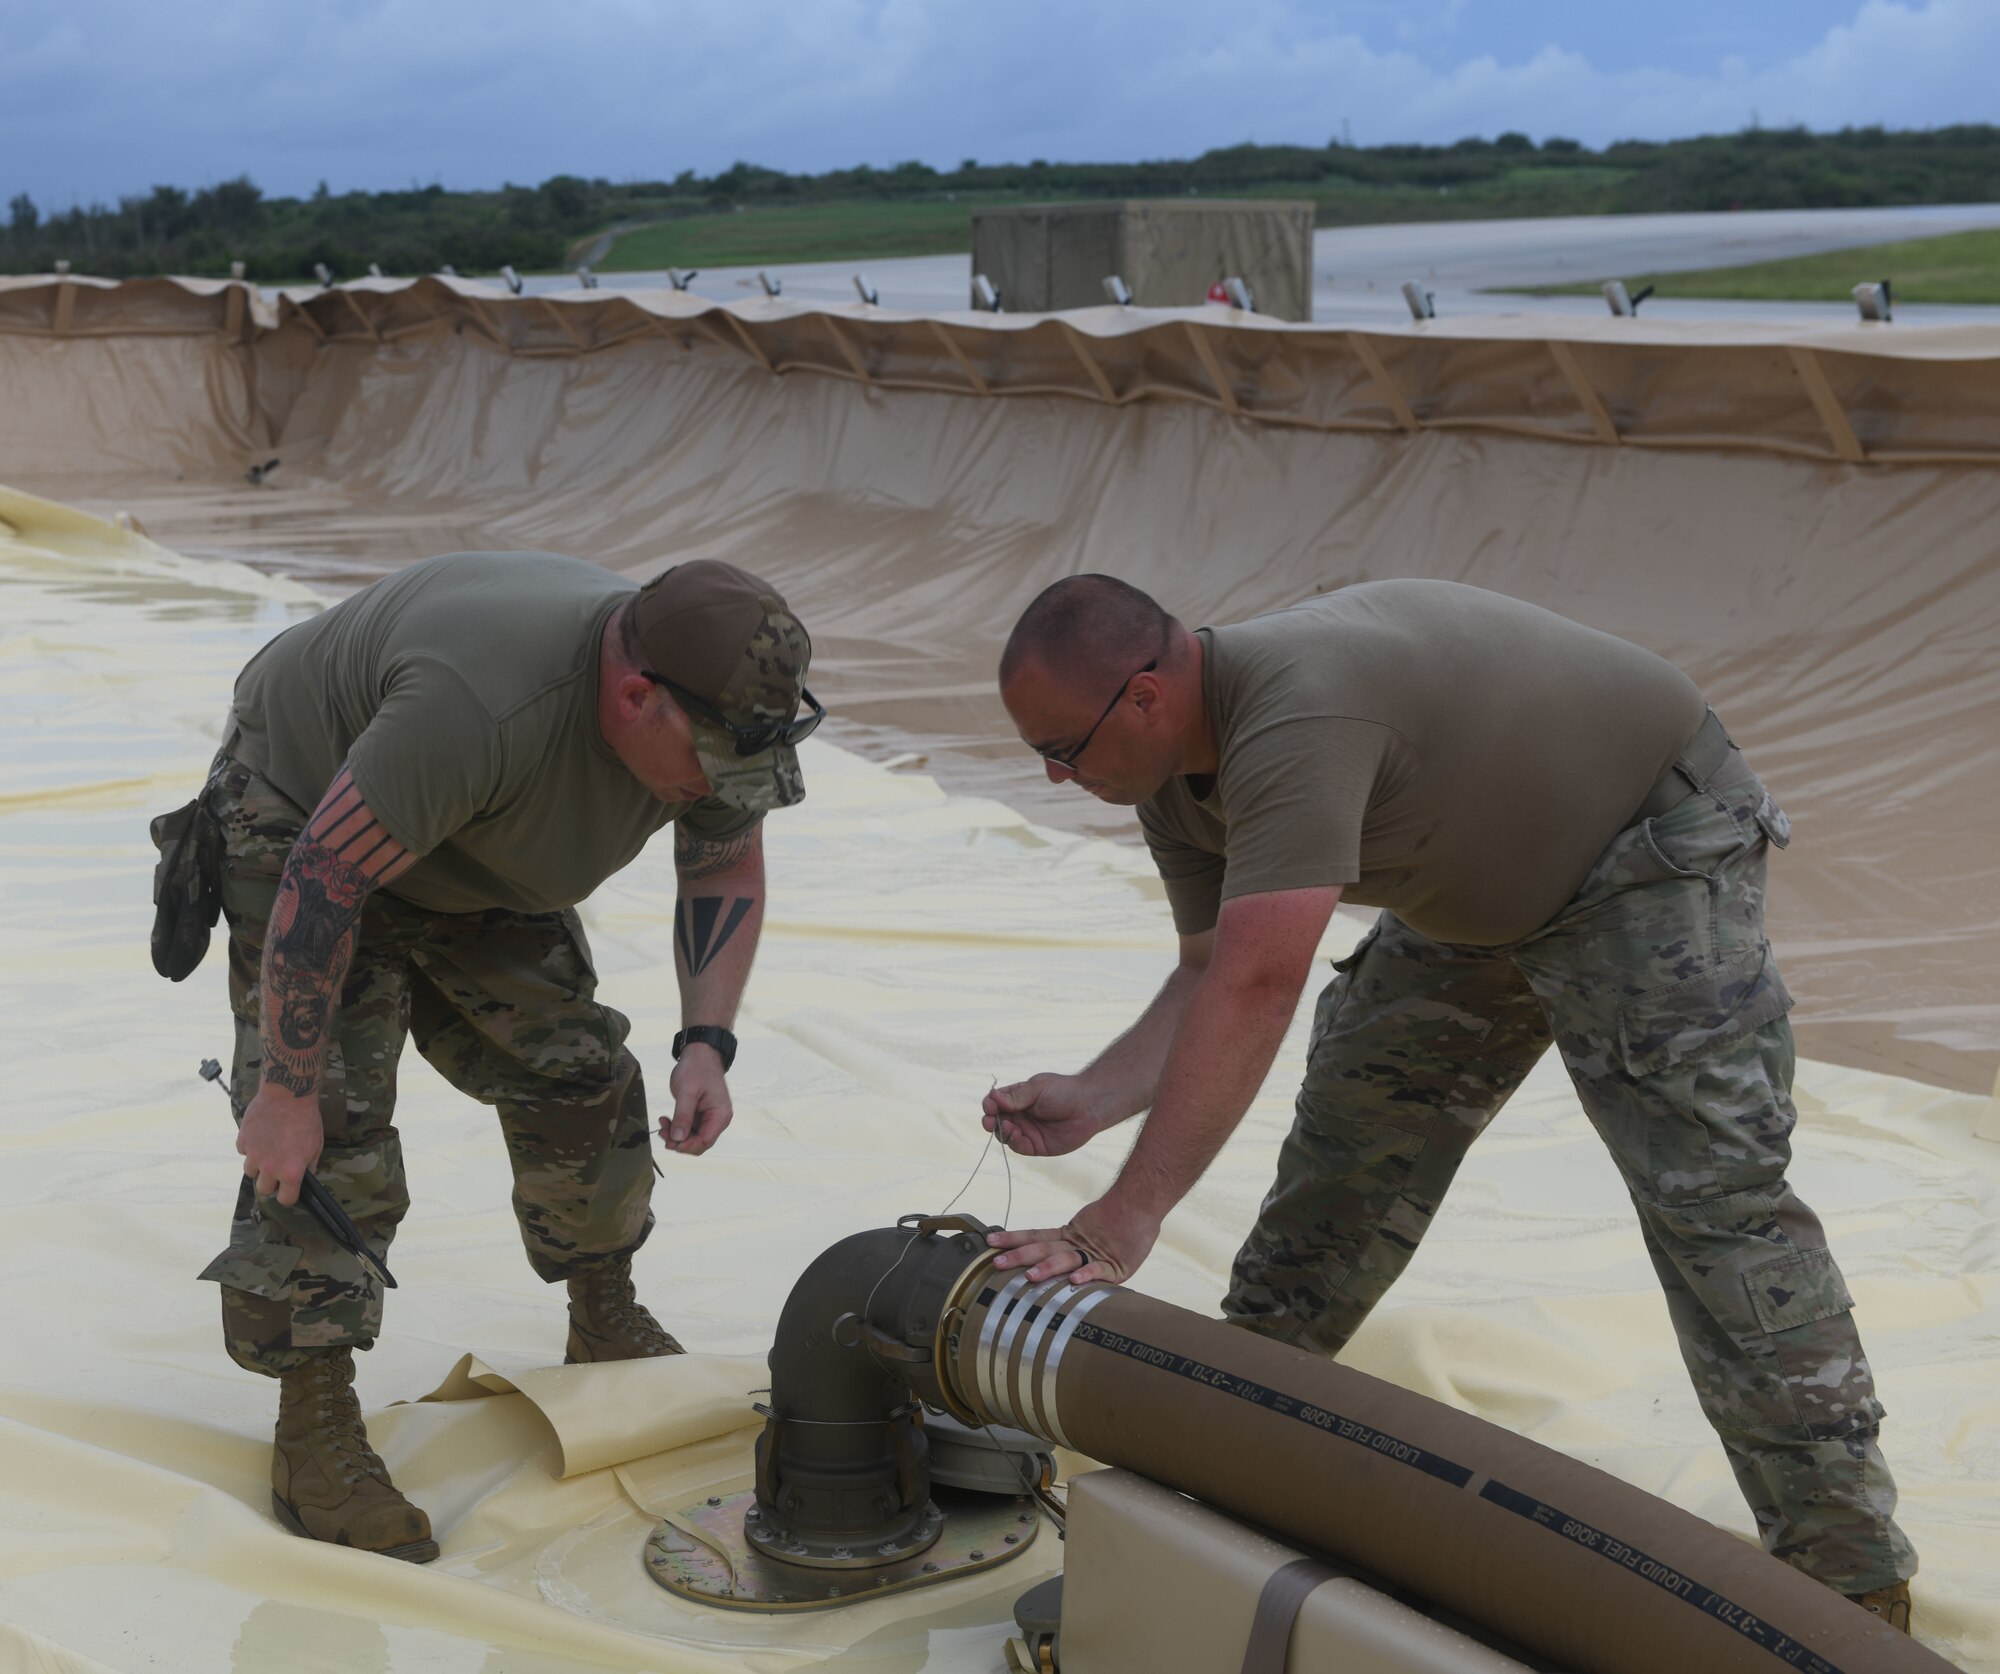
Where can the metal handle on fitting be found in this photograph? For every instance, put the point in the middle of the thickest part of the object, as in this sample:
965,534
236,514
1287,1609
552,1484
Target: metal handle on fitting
929,1224
852,1331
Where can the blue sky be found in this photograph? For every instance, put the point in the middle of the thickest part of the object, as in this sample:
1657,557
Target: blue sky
1687,37
104,97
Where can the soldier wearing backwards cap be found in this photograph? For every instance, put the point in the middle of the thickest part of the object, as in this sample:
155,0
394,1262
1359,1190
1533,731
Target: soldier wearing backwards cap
419,787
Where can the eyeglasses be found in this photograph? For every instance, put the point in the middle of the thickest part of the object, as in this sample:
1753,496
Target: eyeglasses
1070,759
751,740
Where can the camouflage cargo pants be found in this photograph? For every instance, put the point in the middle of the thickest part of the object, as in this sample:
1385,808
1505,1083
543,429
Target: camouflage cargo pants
1659,989
502,1005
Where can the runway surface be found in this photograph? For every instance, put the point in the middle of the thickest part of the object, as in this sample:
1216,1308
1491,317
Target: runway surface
1358,272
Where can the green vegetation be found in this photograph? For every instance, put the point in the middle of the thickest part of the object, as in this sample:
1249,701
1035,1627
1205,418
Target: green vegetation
795,233
279,239
1957,267
941,225
747,214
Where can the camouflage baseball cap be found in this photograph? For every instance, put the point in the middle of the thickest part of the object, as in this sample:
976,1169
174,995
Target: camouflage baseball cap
724,639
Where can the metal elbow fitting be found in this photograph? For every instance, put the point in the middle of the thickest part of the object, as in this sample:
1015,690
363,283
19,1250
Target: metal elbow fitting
843,1470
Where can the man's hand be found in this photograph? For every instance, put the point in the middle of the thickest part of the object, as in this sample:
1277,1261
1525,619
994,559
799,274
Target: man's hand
1218,1023
280,1138
701,1101
1107,1240
1044,1116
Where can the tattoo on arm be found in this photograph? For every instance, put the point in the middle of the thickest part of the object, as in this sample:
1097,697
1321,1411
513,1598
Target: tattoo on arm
342,854
696,858
702,928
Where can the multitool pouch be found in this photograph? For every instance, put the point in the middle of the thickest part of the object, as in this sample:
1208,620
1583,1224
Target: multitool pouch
187,887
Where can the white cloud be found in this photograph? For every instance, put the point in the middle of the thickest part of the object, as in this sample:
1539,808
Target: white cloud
109,96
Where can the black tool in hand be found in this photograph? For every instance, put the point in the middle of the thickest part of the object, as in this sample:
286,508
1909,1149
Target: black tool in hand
317,1198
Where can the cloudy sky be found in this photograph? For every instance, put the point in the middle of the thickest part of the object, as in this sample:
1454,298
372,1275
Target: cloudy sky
103,97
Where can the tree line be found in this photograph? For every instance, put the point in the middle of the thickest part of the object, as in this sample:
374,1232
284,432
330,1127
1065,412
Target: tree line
423,229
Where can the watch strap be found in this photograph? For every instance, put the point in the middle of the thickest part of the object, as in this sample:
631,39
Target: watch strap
707,1034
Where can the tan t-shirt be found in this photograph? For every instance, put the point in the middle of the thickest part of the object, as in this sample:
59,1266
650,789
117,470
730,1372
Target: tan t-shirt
462,692
1454,755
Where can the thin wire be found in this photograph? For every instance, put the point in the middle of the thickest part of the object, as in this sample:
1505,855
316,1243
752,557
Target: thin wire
868,1307
984,1151
999,1132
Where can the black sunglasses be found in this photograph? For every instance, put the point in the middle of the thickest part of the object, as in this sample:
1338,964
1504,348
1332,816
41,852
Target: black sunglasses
752,740
1070,759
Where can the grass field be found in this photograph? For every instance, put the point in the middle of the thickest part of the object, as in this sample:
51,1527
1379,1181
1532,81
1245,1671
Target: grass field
824,232
802,233
1958,267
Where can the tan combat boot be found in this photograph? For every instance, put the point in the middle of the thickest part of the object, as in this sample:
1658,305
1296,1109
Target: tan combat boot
1892,1604
606,1321
327,1483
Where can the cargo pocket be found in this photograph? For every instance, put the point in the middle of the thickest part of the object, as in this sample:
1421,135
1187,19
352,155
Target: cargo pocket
187,887
1772,821
260,1269
1659,1029
1335,994
1804,1306
1795,1290
1347,961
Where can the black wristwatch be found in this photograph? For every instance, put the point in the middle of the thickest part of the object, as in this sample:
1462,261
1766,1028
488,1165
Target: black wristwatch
707,1034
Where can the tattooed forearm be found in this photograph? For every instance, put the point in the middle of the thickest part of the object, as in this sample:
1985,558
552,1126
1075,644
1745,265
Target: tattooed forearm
696,858
341,855
715,936
310,941
703,928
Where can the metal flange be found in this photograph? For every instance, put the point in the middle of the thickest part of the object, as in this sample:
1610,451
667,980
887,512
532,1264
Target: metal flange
764,1533
703,1553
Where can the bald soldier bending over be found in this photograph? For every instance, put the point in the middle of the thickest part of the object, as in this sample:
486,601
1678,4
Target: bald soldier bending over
1567,849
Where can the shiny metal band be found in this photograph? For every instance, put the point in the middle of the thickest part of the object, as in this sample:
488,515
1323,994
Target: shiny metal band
1029,1401
1020,1349
1072,1318
1033,1305
986,1372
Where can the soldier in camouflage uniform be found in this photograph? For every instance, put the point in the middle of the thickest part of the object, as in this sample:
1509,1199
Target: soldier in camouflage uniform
418,786
503,1006
1569,850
